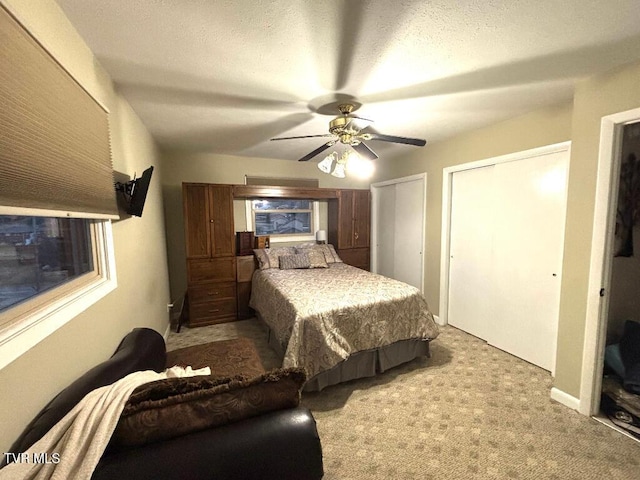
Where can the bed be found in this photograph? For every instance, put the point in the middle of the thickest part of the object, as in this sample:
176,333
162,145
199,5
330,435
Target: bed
337,321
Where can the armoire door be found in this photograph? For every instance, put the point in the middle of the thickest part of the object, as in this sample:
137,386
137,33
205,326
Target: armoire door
361,218
345,218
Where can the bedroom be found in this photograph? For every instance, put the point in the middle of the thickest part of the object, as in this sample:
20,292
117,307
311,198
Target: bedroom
92,335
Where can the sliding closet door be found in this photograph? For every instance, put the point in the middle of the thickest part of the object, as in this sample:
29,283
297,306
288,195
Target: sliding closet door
470,266
530,206
506,245
385,235
399,221
409,227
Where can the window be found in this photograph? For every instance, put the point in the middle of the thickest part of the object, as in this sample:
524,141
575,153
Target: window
283,219
51,269
38,254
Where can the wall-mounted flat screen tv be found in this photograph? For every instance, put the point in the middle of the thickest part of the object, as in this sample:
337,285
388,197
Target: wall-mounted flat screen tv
139,191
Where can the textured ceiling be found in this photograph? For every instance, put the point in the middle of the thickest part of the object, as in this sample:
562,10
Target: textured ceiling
225,76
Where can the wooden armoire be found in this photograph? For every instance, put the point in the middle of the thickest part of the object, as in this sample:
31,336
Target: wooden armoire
210,252
349,226
218,282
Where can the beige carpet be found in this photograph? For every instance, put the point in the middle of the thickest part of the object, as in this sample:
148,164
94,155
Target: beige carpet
471,411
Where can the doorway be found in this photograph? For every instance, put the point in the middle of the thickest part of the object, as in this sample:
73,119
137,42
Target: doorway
398,228
601,262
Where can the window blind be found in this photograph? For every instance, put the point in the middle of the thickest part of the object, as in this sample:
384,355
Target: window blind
55,150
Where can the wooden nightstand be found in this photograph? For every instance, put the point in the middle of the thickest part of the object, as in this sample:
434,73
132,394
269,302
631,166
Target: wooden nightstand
246,265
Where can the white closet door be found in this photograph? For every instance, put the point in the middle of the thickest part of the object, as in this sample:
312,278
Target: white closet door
530,206
470,267
385,235
409,226
400,220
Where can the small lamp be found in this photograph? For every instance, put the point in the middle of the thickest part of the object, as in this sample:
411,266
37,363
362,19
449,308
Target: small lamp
321,236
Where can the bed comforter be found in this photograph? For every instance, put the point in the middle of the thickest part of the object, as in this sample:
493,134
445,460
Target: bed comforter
322,316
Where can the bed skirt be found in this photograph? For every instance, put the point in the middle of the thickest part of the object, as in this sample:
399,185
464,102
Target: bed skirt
367,363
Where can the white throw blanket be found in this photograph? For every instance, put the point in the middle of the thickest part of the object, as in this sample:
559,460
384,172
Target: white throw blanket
75,444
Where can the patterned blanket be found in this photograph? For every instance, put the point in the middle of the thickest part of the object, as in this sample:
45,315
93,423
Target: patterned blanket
321,316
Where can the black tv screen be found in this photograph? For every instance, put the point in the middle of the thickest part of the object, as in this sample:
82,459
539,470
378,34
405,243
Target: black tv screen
139,193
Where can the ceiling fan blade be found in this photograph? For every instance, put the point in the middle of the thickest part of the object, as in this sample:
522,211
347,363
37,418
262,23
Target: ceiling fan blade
365,151
304,136
318,150
390,138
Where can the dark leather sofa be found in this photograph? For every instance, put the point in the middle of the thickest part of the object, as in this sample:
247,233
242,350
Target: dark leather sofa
282,444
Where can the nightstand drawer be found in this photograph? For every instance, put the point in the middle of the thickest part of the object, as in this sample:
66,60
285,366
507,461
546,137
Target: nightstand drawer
211,292
212,269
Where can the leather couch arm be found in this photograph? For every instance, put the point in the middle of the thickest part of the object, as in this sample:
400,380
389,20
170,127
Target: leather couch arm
282,445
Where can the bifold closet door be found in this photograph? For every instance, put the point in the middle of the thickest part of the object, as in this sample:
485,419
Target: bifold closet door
471,237
530,210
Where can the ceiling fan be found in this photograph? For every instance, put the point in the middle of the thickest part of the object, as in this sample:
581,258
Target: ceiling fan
347,129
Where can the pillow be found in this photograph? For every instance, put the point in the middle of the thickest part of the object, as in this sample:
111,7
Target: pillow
298,260
268,257
331,255
316,259
327,250
176,406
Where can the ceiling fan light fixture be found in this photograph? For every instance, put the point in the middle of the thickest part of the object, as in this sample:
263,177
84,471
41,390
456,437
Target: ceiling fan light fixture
360,167
326,164
339,171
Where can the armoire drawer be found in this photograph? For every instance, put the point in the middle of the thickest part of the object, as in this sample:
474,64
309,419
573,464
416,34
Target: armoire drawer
211,269
212,292
212,312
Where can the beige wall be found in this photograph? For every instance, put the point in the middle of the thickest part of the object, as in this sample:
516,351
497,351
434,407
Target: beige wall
605,94
181,167
142,293
543,127
613,92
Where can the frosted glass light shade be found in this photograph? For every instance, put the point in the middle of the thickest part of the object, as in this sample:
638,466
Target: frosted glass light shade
339,171
326,163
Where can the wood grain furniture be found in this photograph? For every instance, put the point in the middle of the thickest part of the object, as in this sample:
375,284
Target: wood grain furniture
218,282
246,265
349,226
210,252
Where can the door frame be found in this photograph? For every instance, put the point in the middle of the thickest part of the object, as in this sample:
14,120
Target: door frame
374,219
447,179
601,261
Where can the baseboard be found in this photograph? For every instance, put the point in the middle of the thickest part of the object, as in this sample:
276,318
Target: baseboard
565,399
167,332
438,321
